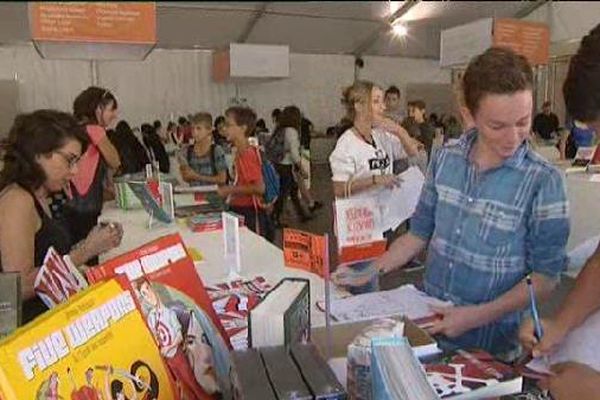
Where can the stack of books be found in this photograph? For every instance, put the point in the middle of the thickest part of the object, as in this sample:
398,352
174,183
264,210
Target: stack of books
278,373
209,222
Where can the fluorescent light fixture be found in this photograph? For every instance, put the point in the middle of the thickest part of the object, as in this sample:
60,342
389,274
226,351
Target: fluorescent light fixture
399,28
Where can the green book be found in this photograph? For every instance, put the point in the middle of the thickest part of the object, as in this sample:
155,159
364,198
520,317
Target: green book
10,302
283,316
248,376
284,375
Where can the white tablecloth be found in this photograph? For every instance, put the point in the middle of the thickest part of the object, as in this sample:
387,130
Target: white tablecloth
584,199
258,257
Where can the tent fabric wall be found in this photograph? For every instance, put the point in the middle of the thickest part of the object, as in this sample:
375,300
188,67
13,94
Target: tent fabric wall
170,83
568,20
43,83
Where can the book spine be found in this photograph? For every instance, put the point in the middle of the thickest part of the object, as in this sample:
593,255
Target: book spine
296,319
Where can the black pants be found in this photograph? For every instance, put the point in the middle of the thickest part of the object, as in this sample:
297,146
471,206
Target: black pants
256,220
288,187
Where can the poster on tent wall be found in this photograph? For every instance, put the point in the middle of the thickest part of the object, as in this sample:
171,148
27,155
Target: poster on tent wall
107,22
530,39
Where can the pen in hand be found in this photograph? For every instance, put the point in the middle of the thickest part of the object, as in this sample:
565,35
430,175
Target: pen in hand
537,324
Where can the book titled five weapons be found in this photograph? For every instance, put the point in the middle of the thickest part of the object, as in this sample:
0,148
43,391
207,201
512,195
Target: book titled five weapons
83,349
178,311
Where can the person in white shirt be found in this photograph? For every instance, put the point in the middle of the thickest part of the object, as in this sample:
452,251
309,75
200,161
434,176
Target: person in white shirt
362,162
363,158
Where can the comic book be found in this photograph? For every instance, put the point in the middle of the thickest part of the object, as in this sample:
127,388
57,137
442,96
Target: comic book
473,374
179,313
57,279
233,301
83,350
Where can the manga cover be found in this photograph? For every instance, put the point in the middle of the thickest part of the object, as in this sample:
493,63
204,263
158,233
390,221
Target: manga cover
468,373
179,313
233,301
95,346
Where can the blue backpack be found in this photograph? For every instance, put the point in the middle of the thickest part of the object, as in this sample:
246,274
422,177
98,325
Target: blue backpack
271,180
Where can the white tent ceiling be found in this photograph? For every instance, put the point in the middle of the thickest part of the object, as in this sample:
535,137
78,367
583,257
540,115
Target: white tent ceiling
307,27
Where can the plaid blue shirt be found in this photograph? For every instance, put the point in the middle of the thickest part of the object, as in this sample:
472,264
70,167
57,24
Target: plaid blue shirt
488,230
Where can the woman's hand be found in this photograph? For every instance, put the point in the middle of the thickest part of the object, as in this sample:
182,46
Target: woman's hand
387,124
389,181
103,238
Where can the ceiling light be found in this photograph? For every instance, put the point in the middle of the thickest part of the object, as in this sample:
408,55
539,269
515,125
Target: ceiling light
399,28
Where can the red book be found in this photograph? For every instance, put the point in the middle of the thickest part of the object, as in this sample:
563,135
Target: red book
58,279
473,374
178,311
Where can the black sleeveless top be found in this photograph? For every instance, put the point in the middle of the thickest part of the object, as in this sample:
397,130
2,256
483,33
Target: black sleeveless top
51,233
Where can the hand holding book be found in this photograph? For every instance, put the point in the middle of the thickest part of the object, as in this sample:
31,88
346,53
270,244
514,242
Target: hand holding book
345,275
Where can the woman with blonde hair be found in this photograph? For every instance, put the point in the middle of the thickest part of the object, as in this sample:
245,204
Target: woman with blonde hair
362,162
364,155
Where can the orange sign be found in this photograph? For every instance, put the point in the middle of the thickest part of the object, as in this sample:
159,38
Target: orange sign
108,22
220,67
305,251
530,39
362,252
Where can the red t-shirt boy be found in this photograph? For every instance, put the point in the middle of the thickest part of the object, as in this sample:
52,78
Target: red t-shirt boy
244,195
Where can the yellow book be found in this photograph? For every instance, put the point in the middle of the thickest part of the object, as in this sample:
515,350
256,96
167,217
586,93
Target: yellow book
94,347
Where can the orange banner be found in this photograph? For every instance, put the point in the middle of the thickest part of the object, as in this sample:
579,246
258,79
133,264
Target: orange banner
305,251
362,252
529,39
108,22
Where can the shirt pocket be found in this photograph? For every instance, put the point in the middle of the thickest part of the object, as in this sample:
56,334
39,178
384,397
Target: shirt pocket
499,224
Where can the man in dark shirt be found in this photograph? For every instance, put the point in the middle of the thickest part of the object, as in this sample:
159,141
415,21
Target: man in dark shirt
545,123
426,130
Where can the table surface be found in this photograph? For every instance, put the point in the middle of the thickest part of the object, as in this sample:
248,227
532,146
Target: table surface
258,256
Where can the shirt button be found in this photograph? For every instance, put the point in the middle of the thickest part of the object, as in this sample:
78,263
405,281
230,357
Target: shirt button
450,265
470,200
458,231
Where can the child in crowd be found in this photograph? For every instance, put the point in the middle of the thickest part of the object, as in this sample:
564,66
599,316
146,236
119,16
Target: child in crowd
203,163
245,195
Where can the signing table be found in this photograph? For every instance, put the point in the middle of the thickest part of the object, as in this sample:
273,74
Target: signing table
258,256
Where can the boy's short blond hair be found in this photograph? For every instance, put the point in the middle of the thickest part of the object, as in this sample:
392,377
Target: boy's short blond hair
202,118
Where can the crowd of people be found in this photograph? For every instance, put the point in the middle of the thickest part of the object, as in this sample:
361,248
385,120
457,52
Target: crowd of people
491,213
58,168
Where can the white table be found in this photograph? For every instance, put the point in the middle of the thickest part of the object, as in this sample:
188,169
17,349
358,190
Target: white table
584,199
259,257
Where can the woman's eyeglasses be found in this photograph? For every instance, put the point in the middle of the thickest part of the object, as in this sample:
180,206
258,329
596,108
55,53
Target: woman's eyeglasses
72,160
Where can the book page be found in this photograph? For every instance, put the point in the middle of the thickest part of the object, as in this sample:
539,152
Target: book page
405,300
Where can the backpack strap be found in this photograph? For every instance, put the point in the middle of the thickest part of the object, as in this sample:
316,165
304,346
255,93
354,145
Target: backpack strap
213,162
189,153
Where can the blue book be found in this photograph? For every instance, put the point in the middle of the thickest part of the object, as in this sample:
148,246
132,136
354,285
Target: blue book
397,372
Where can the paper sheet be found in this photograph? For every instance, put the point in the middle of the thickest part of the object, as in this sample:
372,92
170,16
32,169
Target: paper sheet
581,346
405,300
400,203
